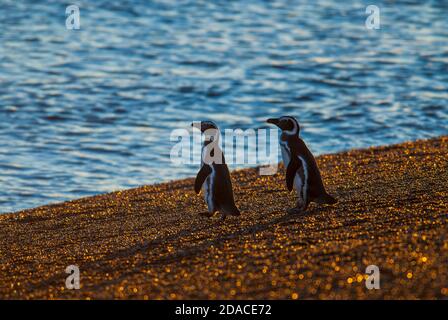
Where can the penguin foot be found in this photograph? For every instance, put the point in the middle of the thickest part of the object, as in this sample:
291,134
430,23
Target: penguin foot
295,210
206,214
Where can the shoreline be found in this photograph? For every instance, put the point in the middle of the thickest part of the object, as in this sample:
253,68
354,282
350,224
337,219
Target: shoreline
150,243
186,177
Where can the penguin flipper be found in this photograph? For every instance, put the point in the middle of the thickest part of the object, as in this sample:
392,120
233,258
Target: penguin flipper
293,166
201,176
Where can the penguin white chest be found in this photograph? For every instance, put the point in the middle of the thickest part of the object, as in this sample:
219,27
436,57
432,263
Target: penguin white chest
208,190
208,185
301,177
285,154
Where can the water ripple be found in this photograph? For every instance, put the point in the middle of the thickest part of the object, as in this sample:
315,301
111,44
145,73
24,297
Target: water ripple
90,111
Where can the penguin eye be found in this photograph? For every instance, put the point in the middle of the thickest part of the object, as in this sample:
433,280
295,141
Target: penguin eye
286,124
290,125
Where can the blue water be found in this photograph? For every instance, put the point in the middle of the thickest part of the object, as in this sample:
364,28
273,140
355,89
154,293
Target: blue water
89,111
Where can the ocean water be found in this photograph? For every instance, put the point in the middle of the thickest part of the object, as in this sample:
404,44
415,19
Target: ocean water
89,111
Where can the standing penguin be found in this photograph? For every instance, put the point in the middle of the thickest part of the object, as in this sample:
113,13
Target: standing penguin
214,176
301,167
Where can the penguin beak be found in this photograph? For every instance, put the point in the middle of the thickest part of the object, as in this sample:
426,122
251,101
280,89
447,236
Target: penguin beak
273,121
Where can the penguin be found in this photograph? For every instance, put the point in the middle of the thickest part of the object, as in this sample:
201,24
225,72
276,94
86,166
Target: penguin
214,176
301,167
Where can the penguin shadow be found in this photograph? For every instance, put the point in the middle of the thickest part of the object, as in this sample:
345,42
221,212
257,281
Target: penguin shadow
283,219
289,218
195,249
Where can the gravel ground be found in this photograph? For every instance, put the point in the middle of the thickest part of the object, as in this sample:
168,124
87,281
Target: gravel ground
150,242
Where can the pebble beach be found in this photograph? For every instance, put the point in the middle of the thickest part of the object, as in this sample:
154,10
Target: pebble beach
151,243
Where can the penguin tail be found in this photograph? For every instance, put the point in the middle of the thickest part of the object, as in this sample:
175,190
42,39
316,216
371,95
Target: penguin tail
326,199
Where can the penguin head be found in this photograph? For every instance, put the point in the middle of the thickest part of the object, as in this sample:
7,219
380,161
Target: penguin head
289,125
204,125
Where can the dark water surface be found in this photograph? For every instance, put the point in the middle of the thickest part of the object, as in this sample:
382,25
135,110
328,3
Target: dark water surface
89,111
